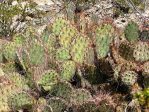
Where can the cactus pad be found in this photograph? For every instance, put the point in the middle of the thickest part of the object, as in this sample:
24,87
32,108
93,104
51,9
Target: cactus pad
126,51
141,51
21,101
80,96
36,55
56,105
68,70
103,38
9,51
129,77
48,79
62,90
62,54
132,32
79,49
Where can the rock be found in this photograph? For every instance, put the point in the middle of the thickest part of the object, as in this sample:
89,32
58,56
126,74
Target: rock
44,2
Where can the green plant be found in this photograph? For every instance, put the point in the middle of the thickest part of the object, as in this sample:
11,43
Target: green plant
68,70
132,32
62,90
141,51
80,96
10,84
103,39
20,101
79,49
48,79
62,54
143,97
56,105
129,77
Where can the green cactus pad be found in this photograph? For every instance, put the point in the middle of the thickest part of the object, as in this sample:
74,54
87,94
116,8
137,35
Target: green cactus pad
18,80
21,101
62,90
50,47
51,39
9,85
56,105
36,55
48,79
62,54
66,36
19,39
68,70
141,51
80,96
58,25
79,49
9,51
132,32
103,39
9,67
129,77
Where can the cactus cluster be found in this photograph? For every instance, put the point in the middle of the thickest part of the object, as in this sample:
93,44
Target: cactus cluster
67,68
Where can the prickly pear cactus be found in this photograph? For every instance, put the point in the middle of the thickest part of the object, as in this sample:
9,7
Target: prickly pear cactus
66,36
9,51
48,79
62,54
56,104
9,85
80,96
50,46
19,39
58,25
33,54
36,55
68,70
21,101
132,32
129,77
141,51
103,39
64,31
126,51
62,90
79,49
9,67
